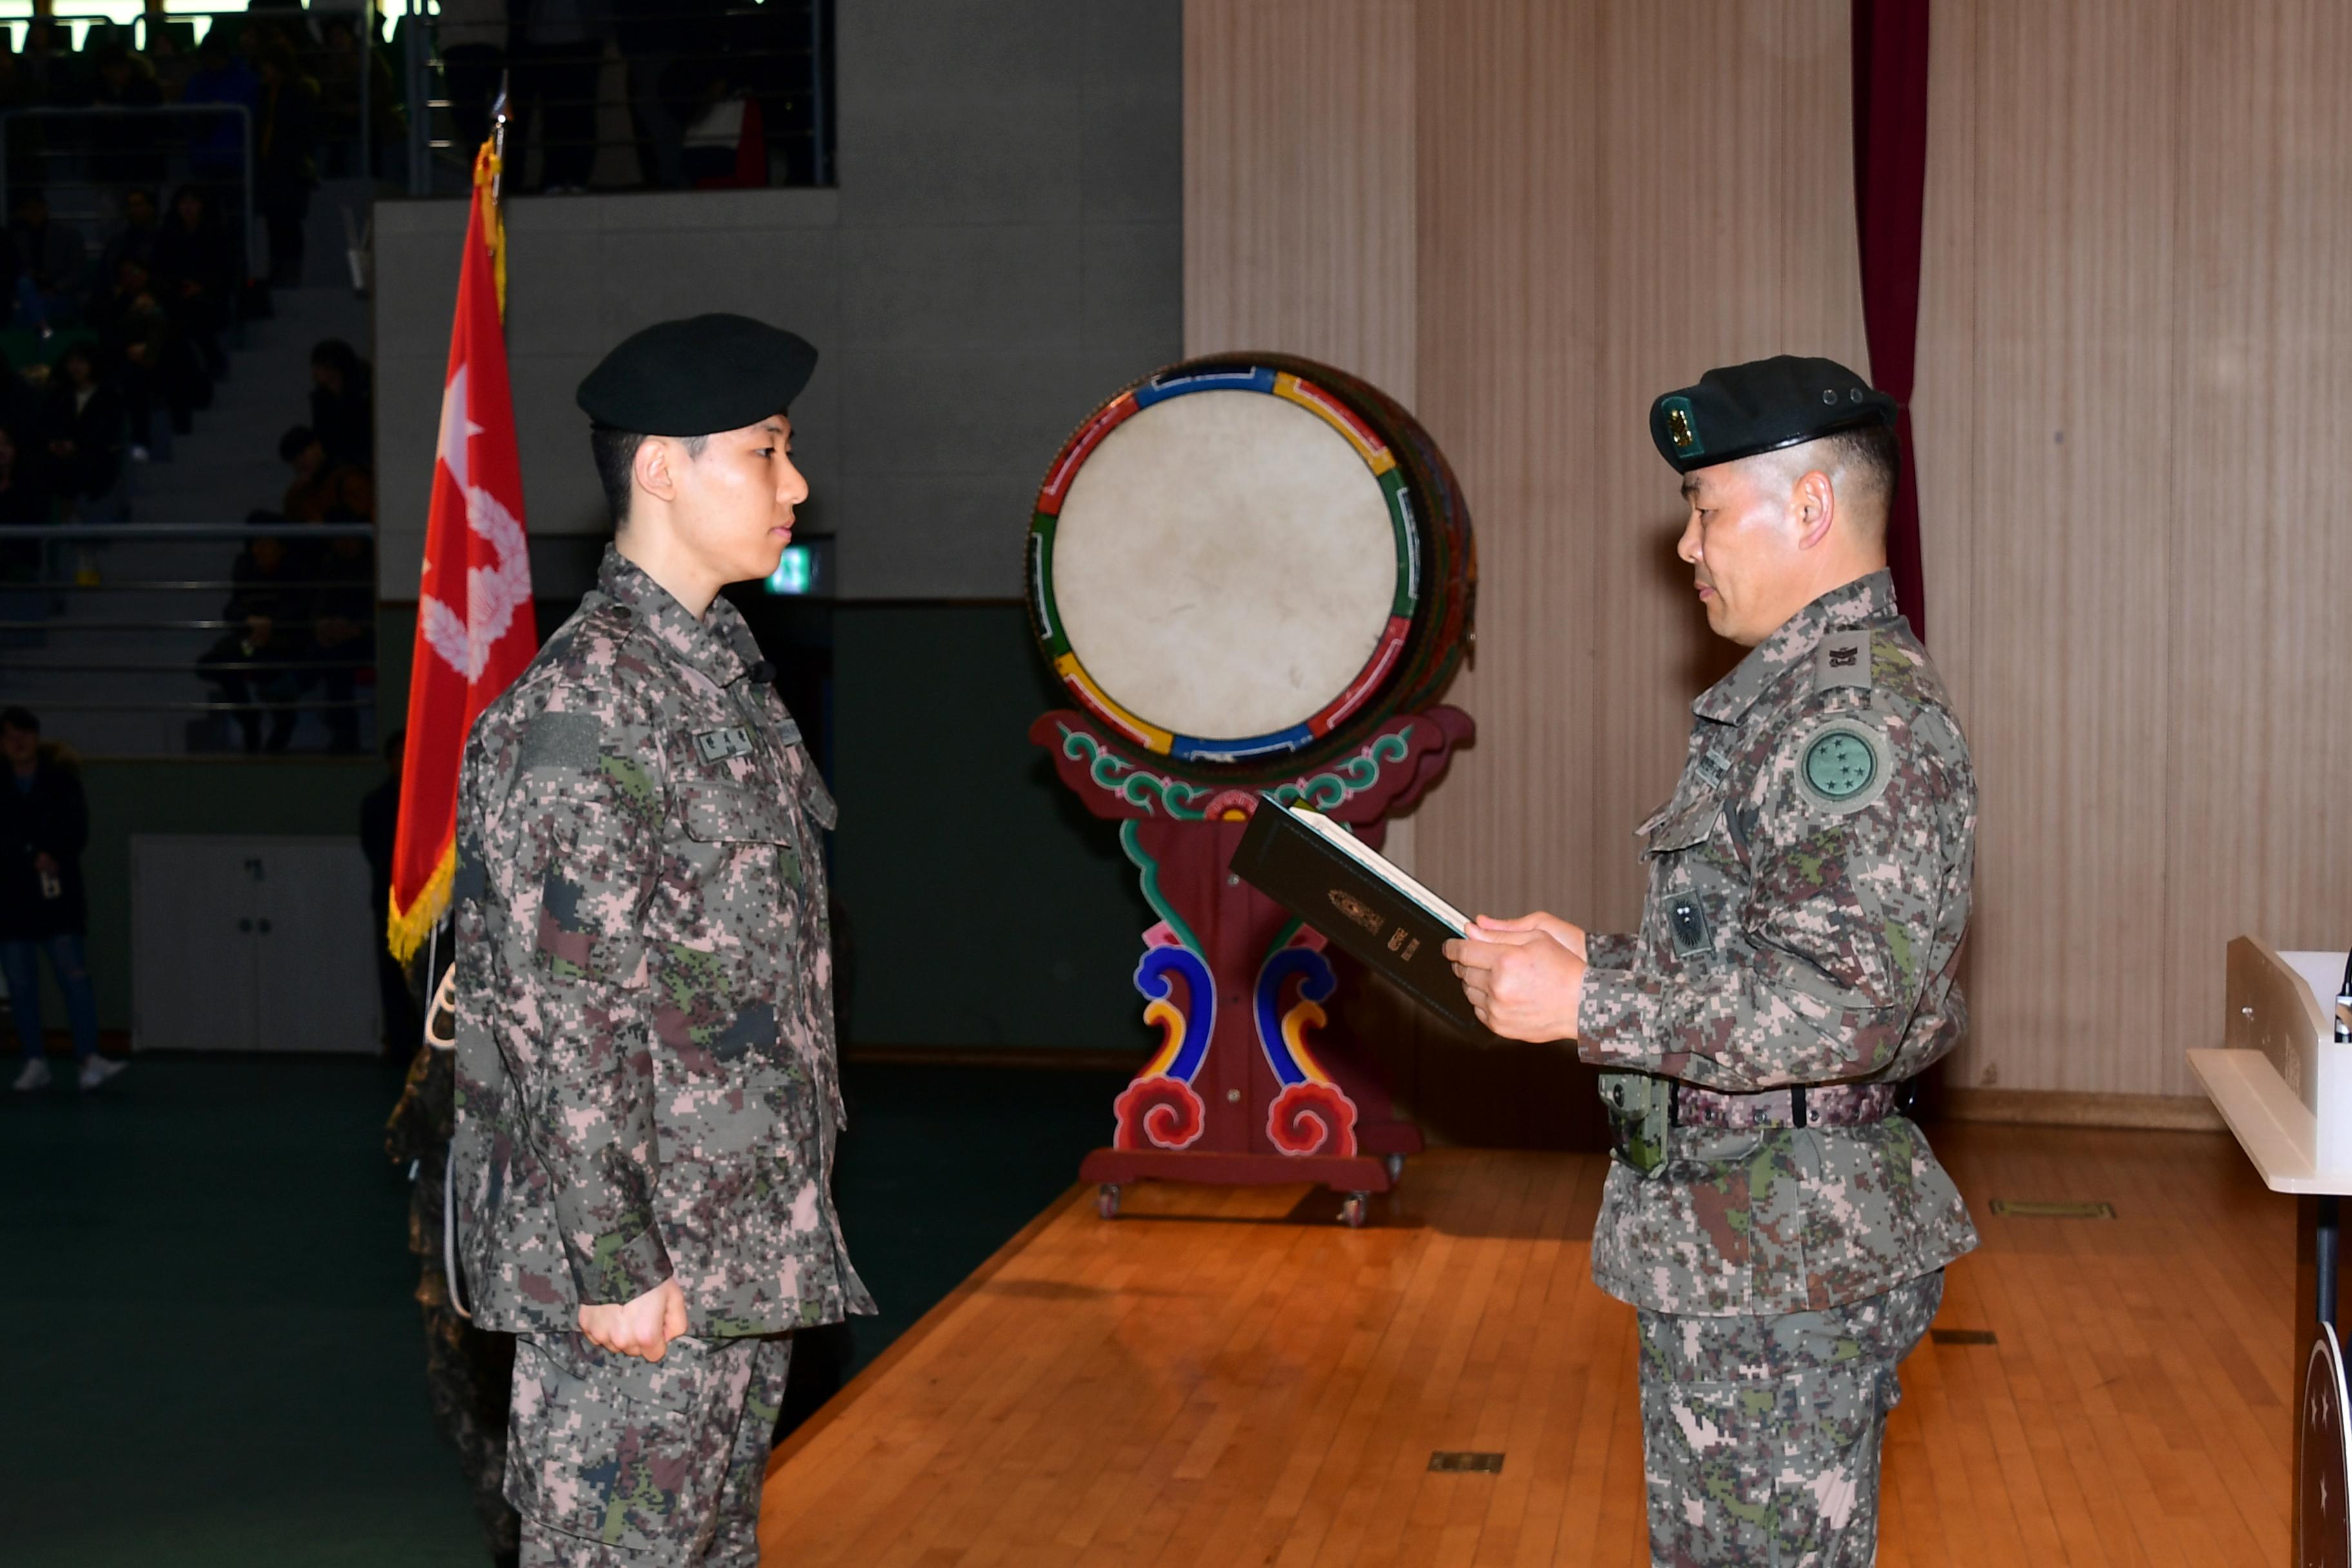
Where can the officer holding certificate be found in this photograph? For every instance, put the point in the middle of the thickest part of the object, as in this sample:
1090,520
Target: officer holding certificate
1779,1225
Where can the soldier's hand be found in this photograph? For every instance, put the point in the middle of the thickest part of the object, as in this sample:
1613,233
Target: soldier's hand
642,1328
1568,933
1524,985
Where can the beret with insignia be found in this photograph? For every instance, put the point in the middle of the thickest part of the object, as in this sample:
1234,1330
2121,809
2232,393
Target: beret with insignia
1743,409
698,375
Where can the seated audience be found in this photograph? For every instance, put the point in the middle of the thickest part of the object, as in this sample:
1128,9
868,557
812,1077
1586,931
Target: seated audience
343,629
24,504
82,426
342,403
324,489
52,263
135,240
258,660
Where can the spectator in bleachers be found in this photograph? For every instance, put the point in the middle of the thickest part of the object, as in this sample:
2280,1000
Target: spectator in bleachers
285,137
154,381
472,38
559,51
23,505
44,908
124,148
196,272
135,240
50,258
24,499
173,66
343,629
342,401
256,660
221,77
82,426
336,64
325,489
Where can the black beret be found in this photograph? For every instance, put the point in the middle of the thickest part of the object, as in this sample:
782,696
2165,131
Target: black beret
698,375
1761,406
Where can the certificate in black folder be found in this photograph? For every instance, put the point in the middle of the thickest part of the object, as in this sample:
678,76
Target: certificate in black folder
1364,903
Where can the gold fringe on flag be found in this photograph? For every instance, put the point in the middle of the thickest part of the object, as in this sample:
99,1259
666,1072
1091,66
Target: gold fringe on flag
409,928
487,166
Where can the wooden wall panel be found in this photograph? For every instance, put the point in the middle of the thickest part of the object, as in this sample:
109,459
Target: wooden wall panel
1298,182
2134,365
2259,837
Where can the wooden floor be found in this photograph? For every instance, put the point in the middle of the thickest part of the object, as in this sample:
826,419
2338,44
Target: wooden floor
1224,1377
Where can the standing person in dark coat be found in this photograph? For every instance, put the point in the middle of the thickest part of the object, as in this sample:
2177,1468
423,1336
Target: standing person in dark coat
258,660
284,171
44,828
195,270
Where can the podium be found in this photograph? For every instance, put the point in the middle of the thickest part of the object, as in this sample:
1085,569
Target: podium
2284,1084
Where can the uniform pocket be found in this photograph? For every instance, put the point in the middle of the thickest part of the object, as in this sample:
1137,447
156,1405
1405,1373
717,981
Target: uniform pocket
617,1450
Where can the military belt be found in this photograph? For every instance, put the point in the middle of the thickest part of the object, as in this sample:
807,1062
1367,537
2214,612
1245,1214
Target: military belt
1806,1105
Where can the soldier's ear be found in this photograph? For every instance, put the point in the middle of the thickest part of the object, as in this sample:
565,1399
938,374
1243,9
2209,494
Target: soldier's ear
1813,508
653,467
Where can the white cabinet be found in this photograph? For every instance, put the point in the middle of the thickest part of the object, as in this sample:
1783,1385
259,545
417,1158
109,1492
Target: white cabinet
251,944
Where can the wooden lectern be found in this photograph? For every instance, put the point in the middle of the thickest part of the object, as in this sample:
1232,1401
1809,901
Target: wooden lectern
2285,1086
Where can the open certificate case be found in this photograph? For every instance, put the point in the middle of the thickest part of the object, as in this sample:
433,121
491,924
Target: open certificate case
1363,903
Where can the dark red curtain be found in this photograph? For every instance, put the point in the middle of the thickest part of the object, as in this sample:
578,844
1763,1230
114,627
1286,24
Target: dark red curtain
1890,179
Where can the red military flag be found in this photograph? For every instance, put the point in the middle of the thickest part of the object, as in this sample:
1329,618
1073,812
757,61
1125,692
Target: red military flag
476,628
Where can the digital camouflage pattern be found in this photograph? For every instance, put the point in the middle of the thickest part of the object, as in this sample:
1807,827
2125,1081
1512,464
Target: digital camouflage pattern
618,1461
469,1371
1809,891
1761,1435
646,1078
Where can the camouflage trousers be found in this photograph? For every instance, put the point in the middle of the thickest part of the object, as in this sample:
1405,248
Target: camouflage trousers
467,1371
616,1462
1761,1435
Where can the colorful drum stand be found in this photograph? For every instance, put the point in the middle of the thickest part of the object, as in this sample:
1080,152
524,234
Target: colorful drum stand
1252,1082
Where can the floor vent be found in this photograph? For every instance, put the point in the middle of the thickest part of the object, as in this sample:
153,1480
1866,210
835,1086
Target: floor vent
2014,1208
1962,1336
1458,1459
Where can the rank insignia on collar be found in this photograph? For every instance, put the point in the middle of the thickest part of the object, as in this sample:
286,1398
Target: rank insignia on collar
717,745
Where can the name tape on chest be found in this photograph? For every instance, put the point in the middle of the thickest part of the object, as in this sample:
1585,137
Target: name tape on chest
717,745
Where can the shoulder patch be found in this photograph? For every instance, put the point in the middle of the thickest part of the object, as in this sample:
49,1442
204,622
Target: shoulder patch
1844,767
560,740
1842,659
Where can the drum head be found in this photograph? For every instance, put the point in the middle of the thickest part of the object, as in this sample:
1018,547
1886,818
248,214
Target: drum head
1225,564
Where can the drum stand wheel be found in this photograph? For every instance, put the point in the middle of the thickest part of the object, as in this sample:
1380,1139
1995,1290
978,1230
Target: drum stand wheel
1396,1169
1356,1209
1106,1200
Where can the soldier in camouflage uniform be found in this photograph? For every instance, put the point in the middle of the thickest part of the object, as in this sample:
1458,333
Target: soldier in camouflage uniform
1779,1223
648,1096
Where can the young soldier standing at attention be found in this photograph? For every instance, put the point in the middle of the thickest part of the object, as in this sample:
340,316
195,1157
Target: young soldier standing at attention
1781,1226
648,1091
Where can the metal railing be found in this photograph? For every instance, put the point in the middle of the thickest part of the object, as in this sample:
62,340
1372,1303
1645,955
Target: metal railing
688,78
188,623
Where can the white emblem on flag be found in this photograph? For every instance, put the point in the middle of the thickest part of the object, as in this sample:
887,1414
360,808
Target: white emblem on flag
492,594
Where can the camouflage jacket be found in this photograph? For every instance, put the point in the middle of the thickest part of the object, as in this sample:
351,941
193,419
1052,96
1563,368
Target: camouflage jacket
1809,891
646,1083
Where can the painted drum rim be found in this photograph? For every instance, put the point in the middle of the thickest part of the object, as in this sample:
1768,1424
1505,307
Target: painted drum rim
1266,376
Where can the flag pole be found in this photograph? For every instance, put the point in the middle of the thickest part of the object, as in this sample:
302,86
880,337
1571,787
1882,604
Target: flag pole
499,118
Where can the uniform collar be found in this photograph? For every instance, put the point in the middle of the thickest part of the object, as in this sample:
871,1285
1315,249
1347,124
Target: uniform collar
1865,601
719,644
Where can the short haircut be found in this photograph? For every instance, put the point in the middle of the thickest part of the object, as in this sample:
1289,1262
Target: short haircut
615,452
14,717
1866,462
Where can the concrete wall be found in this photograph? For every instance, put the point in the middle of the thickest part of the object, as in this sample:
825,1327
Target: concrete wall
1004,249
